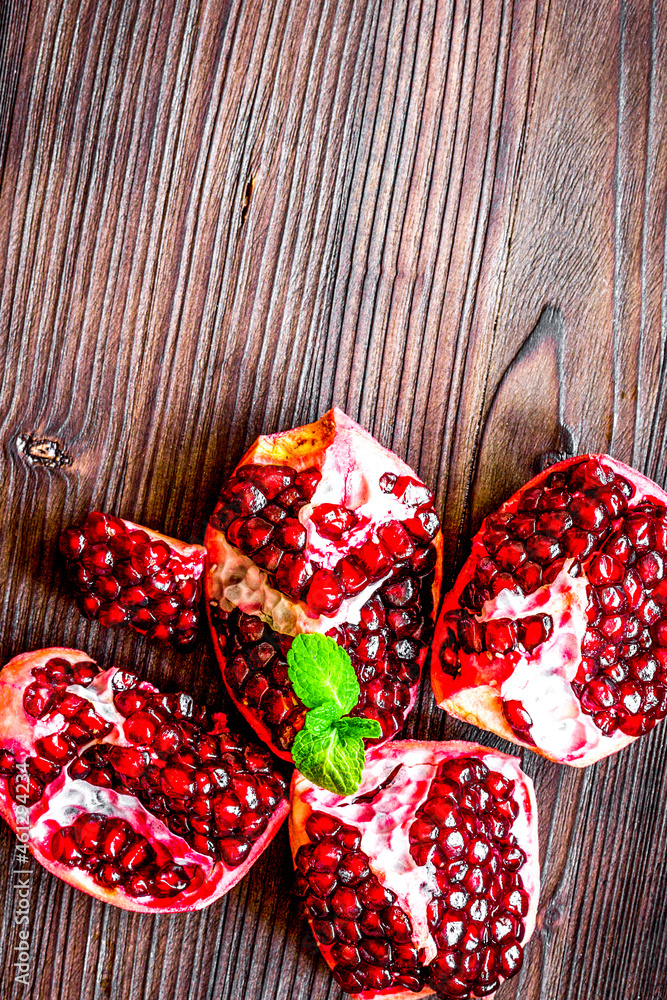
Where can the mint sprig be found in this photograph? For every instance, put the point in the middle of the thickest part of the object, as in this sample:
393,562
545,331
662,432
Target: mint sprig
329,750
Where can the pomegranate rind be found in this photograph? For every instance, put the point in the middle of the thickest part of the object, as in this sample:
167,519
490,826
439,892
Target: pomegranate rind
307,797
475,695
18,732
303,448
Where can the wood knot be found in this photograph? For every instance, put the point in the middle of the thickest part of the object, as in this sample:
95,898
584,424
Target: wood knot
46,452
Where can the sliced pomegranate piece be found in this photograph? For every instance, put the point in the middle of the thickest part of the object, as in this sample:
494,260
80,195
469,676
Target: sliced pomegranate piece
348,544
124,574
427,879
555,633
139,798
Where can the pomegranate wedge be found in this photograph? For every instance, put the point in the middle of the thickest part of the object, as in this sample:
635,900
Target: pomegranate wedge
320,529
138,798
555,634
427,879
124,574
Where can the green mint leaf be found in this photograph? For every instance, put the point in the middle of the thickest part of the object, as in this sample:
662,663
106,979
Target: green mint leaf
329,760
367,729
322,718
321,671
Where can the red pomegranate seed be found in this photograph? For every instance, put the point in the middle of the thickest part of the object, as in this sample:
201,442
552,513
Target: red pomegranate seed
57,747
255,532
533,631
98,559
412,492
333,521
169,881
324,594
423,526
501,635
352,576
290,535
292,574
307,482
374,558
72,543
517,716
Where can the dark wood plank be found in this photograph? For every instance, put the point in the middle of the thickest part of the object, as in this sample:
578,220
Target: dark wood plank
216,220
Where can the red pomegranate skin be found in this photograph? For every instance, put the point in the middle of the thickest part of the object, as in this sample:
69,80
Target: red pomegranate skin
359,536
370,858
126,575
138,843
554,635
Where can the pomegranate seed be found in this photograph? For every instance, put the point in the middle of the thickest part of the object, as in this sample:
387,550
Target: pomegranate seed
7,762
138,885
98,560
72,543
57,747
401,592
169,881
533,631
396,540
601,692
290,535
140,728
88,829
25,792
543,549
345,903
423,526
640,531
127,696
510,555
127,761
352,576
333,521
325,594
292,574
501,635
37,700
90,605
412,492
374,558
517,716
111,615
139,854
117,836
307,482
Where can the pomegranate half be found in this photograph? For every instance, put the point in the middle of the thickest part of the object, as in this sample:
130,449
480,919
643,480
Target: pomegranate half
123,574
138,798
427,879
320,529
555,633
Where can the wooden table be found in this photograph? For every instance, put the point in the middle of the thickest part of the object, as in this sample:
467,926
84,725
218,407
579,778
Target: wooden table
219,218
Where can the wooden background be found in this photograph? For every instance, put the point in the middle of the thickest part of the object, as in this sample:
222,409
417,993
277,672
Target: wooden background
219,217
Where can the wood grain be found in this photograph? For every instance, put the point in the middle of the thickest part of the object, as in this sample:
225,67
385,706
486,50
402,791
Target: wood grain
218,218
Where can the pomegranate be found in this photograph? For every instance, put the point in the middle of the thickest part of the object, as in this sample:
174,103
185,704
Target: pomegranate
555,634
124,574
138,798
428,878
320,529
